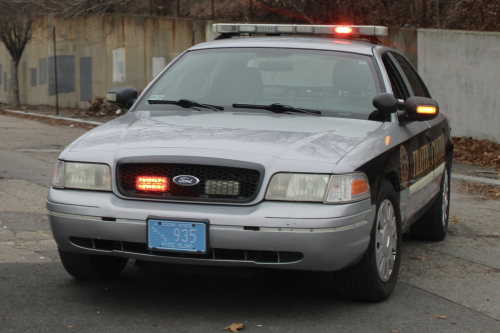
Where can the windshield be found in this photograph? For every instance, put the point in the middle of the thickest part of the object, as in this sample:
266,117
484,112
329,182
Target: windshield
335,83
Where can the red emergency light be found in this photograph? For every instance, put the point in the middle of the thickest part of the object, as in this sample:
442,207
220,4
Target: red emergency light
343,30
151,184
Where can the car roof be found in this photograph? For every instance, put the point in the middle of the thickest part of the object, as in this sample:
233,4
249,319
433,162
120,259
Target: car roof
310,43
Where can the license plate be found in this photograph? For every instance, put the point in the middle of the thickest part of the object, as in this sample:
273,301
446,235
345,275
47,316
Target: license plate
177,236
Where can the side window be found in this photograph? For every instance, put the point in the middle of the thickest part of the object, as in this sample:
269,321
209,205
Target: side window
416,83
398,85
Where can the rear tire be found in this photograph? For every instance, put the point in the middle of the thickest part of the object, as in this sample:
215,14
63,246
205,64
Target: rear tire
373,279
433,225
92,267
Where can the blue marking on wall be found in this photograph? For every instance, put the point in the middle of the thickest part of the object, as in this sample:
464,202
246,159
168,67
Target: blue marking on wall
33,77
42,65
1,81
65,75
85,79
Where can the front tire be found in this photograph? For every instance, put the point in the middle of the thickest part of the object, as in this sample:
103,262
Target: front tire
433,225
92,267
373,279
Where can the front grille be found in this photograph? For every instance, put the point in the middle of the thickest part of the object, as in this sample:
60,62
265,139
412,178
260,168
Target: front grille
217,183
215,254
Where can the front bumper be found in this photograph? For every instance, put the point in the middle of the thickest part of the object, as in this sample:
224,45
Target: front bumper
302,236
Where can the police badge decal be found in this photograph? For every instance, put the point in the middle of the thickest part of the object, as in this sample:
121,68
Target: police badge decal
405,167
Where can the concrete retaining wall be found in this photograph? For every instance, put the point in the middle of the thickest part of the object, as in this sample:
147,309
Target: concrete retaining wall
461,68
95,55
462,72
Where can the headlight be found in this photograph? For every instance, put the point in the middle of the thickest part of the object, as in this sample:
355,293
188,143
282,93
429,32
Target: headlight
85,176
318,188
297,187
348,188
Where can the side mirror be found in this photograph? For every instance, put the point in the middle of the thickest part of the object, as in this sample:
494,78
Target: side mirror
385,103
421,108
123,97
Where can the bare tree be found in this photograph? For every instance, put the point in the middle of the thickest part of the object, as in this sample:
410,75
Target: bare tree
17,23
73,8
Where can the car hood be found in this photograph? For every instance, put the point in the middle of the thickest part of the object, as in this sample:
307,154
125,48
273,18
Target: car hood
294,137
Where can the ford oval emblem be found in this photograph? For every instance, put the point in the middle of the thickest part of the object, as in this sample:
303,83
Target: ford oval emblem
186,180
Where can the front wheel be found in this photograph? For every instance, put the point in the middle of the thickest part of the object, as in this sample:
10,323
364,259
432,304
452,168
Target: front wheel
373,279
92,267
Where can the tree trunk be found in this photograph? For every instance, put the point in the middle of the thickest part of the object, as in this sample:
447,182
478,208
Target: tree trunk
15,82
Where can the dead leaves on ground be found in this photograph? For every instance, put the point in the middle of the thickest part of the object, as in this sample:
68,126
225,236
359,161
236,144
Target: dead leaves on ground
482,153
417,258
491,192
234,327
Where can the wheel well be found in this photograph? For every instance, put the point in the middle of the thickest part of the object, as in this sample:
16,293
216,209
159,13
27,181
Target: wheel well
393,178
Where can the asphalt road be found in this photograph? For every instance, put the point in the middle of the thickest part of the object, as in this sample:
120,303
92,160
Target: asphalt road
458,279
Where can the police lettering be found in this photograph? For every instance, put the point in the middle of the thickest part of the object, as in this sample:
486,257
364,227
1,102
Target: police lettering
428,155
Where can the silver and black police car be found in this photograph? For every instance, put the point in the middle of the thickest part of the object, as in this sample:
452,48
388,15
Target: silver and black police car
314,150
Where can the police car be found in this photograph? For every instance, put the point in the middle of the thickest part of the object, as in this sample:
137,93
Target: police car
300,147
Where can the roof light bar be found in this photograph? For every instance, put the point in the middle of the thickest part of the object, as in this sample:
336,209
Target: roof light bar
355,30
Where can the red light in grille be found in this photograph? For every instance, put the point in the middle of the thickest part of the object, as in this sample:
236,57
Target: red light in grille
343,30
146,183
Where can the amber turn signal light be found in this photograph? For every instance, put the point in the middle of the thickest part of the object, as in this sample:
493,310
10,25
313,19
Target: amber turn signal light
359,186
156,184
426,109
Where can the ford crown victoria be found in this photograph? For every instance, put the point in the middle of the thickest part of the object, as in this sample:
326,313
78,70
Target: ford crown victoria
314,150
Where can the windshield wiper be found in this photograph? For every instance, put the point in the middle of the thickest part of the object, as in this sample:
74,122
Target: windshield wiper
277,108
186,103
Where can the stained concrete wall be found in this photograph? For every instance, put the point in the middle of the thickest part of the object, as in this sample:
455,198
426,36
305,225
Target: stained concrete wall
462,71
95,55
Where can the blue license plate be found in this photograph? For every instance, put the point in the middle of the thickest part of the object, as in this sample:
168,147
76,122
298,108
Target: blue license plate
177,236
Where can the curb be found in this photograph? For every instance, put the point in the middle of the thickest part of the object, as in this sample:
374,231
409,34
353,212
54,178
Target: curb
488,181
56,117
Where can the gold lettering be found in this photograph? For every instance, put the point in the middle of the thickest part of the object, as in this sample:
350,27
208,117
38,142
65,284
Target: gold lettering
428,156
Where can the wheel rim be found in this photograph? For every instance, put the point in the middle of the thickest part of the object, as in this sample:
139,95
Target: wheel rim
386,240
446,199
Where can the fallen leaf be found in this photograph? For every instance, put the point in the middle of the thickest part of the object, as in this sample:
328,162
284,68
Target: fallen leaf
38,264
234,327
70,326
167,324
440,317
57,257
417,258
452,219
